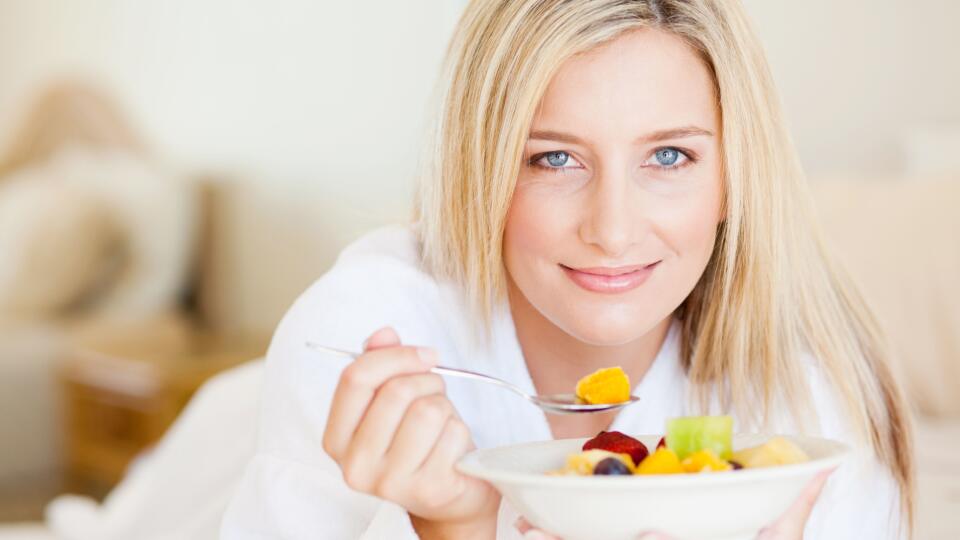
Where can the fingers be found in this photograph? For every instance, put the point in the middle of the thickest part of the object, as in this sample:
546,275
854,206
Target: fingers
530,533
522,525
800,510
396,436
454,442
440,483
359,382
537,534
419,429
392,404
384,337
792,523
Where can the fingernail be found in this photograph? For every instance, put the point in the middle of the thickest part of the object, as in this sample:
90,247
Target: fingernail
534,534
428,356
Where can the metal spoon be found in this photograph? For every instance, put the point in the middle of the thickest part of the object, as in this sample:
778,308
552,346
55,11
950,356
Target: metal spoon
551,403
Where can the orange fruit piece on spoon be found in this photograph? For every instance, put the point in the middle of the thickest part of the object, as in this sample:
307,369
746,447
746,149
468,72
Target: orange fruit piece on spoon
607,385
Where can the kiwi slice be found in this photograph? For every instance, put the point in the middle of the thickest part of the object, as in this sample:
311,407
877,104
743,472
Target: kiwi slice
689,434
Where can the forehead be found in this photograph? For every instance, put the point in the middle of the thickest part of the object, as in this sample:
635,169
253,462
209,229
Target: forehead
644,80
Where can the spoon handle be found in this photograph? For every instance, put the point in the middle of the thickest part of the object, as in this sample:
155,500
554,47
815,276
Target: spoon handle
466,374
332,350
440,370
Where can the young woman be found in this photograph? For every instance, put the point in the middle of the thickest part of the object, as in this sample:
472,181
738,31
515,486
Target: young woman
608,182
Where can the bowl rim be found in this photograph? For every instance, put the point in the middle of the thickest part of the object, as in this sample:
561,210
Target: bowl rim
471,465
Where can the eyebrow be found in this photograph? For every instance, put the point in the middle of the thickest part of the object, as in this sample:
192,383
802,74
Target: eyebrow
661,135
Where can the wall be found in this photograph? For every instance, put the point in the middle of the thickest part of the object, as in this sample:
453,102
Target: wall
860,78
312,110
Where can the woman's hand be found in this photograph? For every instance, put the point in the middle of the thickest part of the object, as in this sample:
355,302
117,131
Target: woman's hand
788,527
396,436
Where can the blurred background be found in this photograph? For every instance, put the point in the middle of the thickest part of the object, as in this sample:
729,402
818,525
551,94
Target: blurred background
173,174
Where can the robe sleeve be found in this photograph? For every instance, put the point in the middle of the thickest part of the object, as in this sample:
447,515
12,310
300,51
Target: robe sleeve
292,488
861,499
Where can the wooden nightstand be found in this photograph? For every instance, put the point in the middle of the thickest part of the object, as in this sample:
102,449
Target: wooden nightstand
122,393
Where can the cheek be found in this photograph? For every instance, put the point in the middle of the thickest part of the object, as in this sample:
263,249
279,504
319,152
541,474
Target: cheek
538,224
689,228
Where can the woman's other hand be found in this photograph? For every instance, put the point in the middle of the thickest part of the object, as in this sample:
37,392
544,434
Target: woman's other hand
789,527
396,436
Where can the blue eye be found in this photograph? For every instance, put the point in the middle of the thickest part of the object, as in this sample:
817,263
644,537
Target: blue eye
667,156
557,159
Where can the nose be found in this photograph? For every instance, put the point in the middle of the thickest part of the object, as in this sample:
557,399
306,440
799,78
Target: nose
613,219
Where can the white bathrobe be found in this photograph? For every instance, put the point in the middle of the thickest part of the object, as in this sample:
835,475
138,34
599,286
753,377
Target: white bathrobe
292,489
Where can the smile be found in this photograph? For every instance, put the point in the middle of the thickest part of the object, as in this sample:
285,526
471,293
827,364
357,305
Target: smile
610,280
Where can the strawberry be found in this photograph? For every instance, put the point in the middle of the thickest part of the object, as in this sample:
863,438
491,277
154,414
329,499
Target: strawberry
614,441
662,443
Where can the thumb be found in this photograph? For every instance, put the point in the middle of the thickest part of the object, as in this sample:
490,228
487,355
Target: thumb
529,532
384,337
792,523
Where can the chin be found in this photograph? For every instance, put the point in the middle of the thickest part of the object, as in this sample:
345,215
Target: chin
609,328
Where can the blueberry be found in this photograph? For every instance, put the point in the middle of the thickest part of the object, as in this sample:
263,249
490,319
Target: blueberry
611,466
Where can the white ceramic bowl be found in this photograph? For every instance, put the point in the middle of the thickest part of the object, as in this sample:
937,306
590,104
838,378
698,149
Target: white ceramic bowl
710,506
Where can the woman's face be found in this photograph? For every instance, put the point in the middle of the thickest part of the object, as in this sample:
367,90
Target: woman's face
618,199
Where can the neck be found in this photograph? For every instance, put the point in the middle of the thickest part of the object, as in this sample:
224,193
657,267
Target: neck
556,360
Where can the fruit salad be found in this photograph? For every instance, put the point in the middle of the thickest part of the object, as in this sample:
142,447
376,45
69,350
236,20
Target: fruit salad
695,444
607,385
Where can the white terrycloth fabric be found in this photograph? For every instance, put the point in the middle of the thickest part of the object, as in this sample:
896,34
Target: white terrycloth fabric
292,489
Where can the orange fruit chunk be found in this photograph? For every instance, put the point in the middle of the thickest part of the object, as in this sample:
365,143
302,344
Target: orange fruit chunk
607,385
663,461
704,461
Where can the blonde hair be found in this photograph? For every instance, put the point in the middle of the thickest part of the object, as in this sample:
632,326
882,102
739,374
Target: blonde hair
771,289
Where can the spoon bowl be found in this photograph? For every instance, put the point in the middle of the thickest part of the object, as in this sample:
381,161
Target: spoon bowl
570,403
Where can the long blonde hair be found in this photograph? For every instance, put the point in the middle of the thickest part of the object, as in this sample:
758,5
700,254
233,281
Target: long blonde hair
770,290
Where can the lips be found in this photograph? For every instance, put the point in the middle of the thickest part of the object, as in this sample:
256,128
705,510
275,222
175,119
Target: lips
610,280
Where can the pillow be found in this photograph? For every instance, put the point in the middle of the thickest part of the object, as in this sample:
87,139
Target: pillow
157,210
110,230
58,243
